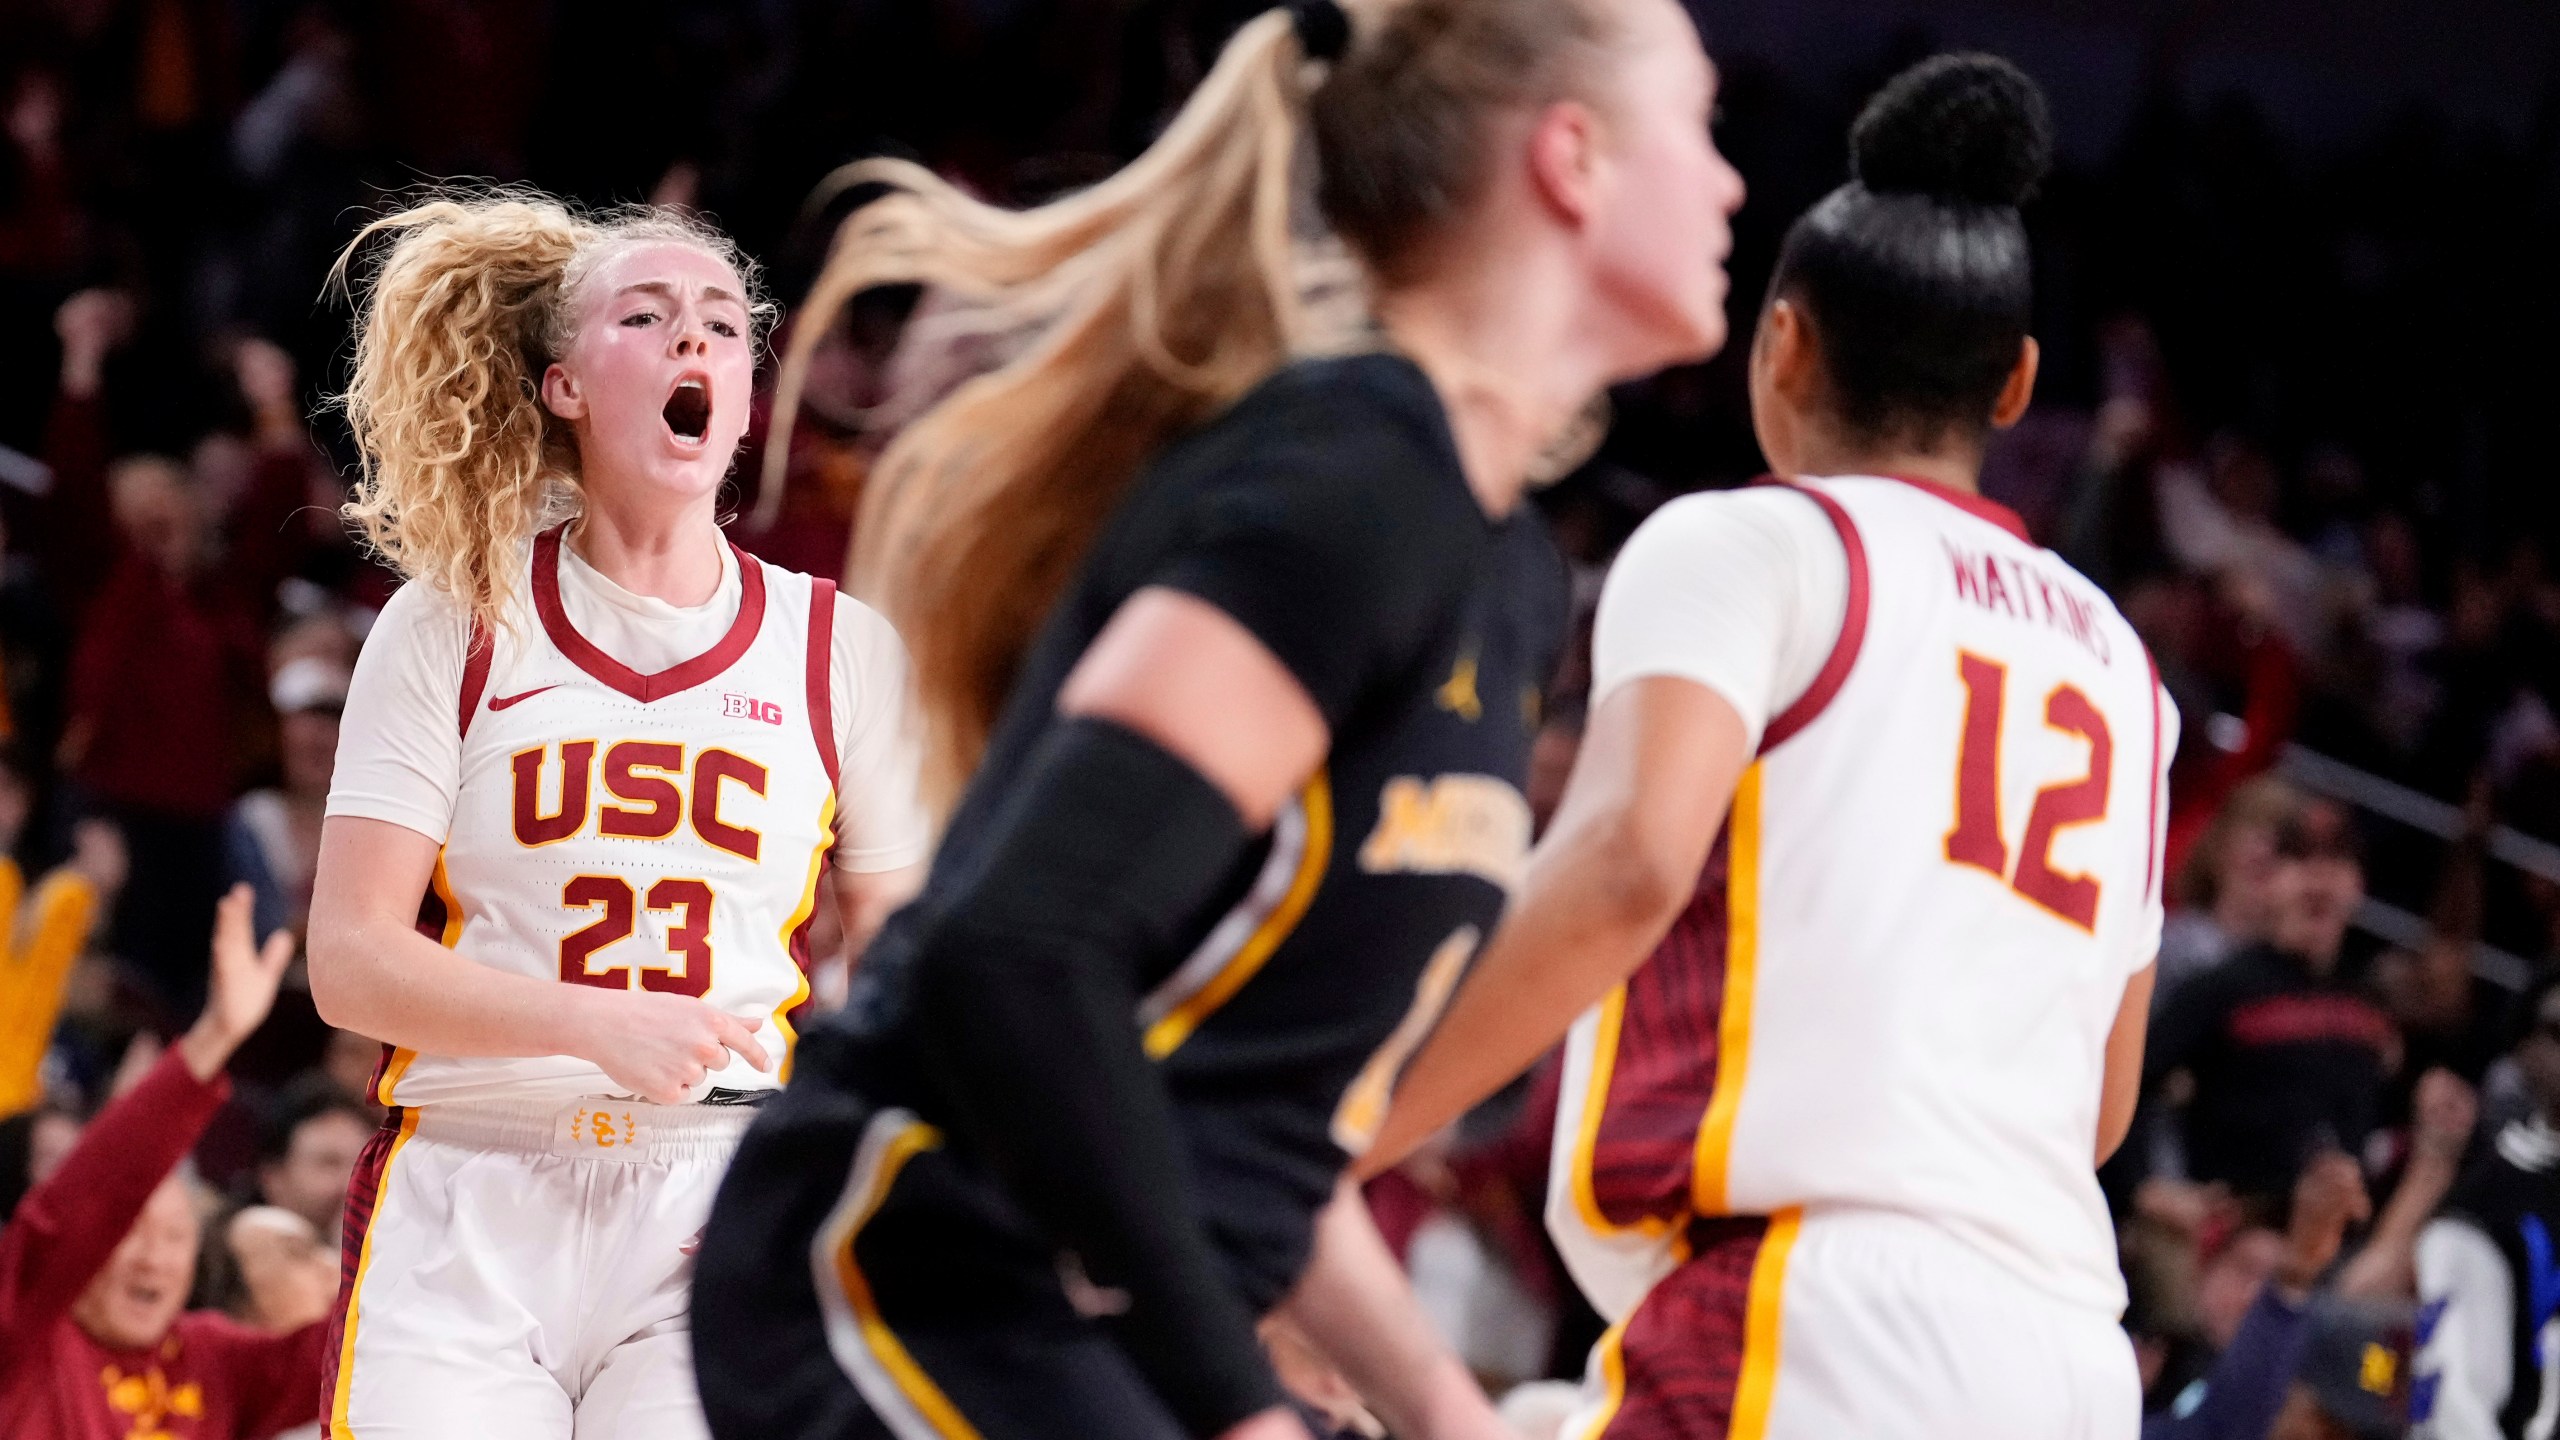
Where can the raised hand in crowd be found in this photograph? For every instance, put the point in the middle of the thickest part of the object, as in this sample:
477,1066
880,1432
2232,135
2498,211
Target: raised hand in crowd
99,856
97,1261
2440,1132
2446,1111
242,986
90,325
2329,1198
268,383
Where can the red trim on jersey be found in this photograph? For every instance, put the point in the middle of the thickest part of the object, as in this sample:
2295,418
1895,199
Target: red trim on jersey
1853,629
822,716
1970,503
475,672
675,679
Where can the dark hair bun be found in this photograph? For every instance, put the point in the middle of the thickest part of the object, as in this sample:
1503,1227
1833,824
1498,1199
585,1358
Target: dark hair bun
1965,128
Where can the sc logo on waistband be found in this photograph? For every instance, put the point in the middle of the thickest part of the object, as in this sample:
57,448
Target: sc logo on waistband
603,1129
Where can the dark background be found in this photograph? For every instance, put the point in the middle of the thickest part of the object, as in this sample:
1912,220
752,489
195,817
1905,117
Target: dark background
2338,217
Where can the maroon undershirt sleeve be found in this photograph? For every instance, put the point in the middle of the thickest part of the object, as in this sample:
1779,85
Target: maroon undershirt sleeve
66,1227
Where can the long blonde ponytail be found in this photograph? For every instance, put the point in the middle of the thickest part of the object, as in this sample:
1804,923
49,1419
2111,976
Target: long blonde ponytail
468,305
1161,295
1156,298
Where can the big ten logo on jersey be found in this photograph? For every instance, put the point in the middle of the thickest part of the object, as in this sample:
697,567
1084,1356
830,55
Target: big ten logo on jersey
748,707
1450,825
655,787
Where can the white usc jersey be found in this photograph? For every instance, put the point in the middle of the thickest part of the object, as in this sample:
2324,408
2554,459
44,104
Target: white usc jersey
659,832
1894,985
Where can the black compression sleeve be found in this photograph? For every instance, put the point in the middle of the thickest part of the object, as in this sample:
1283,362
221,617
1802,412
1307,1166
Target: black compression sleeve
1027,985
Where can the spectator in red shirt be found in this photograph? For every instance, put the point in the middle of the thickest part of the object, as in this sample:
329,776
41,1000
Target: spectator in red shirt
95,1342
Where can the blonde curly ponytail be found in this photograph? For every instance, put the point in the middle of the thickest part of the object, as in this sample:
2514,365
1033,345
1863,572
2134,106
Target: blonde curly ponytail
467,307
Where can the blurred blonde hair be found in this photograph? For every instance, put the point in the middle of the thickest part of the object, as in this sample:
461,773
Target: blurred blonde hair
458,318
1138,308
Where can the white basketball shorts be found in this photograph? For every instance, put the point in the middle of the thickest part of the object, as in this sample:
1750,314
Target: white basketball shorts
520,1271
1825,1325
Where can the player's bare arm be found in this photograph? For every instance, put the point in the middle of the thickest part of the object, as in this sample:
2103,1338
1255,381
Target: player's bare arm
2123,1088
1658,767
373,973
865,898
1356,1307
1183,673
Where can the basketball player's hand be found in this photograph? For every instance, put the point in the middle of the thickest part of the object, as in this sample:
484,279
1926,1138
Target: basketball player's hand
659,1047
1306,1374
1277,1423
242,988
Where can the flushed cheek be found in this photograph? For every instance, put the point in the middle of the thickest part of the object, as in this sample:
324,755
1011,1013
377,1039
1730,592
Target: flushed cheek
636,386
731,388
730,413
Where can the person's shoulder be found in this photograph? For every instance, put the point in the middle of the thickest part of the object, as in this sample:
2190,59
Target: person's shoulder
1729,531
1348,457
2248,970
1775,511
421,620
1374,387
1335,424
864,636
783,589
421,605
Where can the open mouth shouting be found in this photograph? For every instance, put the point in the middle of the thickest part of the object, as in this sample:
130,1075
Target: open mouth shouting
688,410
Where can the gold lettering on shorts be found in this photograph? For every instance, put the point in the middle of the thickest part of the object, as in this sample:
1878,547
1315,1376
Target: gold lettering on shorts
1450,825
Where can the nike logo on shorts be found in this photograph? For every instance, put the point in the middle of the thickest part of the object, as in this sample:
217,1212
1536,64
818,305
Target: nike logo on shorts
503,701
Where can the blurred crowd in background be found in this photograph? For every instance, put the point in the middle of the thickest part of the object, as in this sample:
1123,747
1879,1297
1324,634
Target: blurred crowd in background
2294,417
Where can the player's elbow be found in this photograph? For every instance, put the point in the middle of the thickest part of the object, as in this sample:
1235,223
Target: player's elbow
333,958
1640,884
